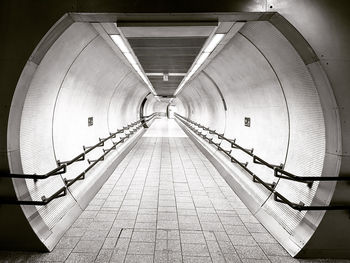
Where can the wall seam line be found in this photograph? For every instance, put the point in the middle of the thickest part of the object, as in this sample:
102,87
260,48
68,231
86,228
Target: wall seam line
54,109
285,99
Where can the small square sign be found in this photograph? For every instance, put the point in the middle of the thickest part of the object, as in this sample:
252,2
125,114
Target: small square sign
247,121
90,121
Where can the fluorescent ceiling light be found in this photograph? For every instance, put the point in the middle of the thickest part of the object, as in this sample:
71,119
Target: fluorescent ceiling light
130,58
177,74
138,70
156,74
202,57
118,40
166,77
214,42
194,69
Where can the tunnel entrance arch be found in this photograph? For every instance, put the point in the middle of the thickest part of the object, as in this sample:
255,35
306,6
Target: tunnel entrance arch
28,79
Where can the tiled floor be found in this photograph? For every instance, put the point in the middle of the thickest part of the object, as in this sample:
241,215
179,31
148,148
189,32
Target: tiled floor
164,203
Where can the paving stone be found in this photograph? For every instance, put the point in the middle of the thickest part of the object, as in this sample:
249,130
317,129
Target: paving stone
195,250
81,257
253,252
192,237
88,246
123,244
95,234
242,240
146,225
255,228
273,249
118,256
139,259
82,223
174,245
144,236
103,216
164,216
75,232
110,243
226,247
190,259
167,225
161,245
161,256
141,248
67,242
263,238
212,226
104,255
236,230
233,258
146,218
59,254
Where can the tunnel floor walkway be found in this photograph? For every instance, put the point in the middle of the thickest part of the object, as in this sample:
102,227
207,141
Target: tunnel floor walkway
164,203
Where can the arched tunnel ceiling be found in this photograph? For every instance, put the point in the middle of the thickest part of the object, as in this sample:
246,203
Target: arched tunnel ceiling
166,48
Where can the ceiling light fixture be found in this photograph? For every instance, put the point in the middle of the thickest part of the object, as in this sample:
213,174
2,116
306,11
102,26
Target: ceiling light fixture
119,41
165,77
169,74
214,41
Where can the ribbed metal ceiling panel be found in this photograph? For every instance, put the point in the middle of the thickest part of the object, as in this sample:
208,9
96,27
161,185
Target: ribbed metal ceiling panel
166,55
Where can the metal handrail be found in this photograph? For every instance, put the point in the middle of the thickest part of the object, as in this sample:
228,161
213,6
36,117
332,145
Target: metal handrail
278,169
278,197
63,190
62,166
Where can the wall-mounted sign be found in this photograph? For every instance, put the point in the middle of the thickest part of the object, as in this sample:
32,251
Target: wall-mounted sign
90,121
247,121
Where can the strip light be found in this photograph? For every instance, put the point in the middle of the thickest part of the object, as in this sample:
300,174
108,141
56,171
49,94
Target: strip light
215,40
161,74
118,40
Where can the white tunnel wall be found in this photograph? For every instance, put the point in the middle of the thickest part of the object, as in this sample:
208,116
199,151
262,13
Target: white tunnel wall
261,76
153,105
79,77
203,99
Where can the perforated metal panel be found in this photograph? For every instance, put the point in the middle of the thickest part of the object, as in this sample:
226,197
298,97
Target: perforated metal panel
37,152
307,132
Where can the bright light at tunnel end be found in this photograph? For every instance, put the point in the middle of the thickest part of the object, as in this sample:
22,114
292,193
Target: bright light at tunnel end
119,41
214,41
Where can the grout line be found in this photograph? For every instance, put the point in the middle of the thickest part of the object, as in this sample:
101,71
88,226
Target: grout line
194,150
143,188
159,174
173,184
206,243
139,143
86,230
133,157
177,214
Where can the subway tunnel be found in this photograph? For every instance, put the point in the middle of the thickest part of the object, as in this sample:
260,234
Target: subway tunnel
225,127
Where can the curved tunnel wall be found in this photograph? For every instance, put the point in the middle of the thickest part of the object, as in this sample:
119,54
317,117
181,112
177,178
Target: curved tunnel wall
79,77
153,105
263,77
323,24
